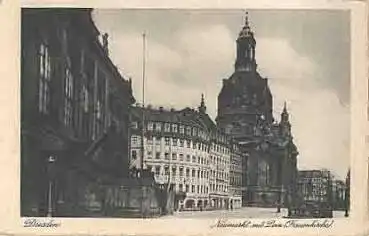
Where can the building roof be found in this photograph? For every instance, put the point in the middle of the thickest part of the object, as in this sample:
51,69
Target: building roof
186,116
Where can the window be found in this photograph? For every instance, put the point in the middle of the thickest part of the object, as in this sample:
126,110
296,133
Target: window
198,189
181,129
181,187
166,170
84,98
187,188
188,158
150,126
149,168
174,156
157,141
68,98
188,130
175,128
194,131
134,139
149,154
167,127
181,157
193,188
134,154
187,172
166,156
181,171
193,173
167,141
194,145
181,142
158,127
157,170
135,125
157,155
174,142
44,80
149,140
193,159
188,143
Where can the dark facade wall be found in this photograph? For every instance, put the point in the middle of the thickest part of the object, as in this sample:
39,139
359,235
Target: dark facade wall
72,43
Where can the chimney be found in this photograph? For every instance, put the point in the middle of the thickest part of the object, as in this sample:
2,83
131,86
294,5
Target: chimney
161,109
172,109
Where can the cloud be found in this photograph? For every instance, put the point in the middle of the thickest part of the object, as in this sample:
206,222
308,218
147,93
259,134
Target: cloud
279,61
195,58
320,123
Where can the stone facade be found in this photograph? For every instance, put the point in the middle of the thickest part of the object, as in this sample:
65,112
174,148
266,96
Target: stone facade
74,114
245,112
186,151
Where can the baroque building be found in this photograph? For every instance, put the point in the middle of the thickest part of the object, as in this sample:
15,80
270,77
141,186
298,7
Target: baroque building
186,152
245,112
75,109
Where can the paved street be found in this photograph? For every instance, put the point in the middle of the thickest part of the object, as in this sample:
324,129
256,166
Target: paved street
245,212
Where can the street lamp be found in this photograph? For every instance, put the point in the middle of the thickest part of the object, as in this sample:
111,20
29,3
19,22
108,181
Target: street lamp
51,161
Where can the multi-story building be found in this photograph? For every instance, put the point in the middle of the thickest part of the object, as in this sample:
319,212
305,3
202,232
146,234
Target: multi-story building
315,186
186,152
237,167
338,194
315,193
245,112
74,114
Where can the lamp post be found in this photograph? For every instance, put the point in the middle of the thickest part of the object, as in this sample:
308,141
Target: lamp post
347,194
51,161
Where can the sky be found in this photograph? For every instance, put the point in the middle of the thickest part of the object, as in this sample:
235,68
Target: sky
305,54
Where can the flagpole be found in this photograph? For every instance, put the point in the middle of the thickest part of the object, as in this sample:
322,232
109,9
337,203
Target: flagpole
143,209
143,99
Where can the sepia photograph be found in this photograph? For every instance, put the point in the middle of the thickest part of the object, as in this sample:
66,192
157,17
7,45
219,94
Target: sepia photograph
185,114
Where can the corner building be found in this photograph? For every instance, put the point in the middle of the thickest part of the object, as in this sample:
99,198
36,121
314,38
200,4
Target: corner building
186,152
245,112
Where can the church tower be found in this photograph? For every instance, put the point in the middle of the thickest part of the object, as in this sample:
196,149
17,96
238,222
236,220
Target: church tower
245,112
246,43
285,122
245,95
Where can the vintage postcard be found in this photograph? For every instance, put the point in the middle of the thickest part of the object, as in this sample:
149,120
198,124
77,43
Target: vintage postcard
186,120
